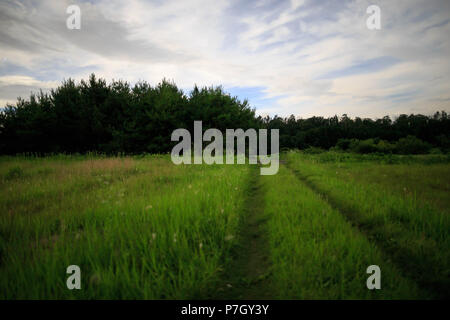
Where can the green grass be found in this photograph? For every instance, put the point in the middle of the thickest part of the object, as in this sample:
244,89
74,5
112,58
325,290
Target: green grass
137,228
316,254
143,228
408,226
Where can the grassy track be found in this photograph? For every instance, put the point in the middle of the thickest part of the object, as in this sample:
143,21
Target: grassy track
316,254
410,230
248,271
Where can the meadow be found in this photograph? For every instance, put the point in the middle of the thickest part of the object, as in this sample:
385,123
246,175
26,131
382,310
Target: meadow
140,227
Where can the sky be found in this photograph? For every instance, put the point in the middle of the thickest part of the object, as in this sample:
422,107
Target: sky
301,57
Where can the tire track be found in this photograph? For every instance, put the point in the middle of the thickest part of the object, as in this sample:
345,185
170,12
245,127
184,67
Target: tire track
401,257
247,275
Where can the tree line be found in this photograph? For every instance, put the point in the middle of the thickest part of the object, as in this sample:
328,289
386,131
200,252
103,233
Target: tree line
109,118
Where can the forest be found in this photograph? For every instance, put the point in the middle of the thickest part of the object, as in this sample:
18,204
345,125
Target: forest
94,116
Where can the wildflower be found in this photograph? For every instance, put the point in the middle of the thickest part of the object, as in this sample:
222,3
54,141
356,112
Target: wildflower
200,245
229,237
153,236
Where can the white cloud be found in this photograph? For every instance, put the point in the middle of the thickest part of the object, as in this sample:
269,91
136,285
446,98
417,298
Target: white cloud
285,48
26,81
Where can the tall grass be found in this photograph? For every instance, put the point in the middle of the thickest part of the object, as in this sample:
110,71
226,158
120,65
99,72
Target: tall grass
138,228
316,254
413,231
143,228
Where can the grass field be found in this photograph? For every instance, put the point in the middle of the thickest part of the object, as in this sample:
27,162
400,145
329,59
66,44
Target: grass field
144,228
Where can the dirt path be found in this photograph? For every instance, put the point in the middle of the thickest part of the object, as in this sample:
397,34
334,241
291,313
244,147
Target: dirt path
247,274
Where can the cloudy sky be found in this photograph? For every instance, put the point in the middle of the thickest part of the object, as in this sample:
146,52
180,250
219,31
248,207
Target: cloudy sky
301,57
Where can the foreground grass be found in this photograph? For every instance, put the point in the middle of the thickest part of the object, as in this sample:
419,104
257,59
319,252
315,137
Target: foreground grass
316,254
144,228
411,230
138,228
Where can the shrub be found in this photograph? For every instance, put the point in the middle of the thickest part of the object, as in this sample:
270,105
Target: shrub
384,146
435,151
363,146
412,145
443,142
343,144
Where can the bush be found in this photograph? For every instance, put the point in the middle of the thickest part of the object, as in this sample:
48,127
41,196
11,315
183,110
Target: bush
386,147
412,145
344,144
435,151
443,142
408,145
364,146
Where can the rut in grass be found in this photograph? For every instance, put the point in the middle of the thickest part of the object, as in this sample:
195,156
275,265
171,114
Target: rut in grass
246,276
414,267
